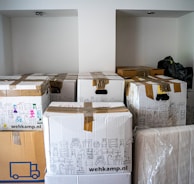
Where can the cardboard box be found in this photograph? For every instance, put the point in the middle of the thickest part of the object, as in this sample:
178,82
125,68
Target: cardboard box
88,179
132,71
87,138
22,157
64,87
22,104
164,155
156,102
99,87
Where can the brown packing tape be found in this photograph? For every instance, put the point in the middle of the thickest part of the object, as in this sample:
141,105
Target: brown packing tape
99,80
16,138
127,87
88,111
100,83
177,86
165,86
40,90
149,91
56,85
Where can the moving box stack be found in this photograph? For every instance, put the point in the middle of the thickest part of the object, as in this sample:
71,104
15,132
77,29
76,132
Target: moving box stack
162,148
88,142
79,127
22,103
154,100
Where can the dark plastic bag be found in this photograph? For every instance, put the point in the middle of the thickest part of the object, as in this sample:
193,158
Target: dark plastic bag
176,70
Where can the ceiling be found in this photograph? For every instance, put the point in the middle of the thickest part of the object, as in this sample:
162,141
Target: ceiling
39,13
73,12
152,13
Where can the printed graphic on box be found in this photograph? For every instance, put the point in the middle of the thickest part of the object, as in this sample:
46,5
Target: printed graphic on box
93,156
71,149
24,170
22,159
22,113
21,172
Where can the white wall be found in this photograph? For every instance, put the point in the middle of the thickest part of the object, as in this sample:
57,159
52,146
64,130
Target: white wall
45,44
6,67
96,40
145,40
186,39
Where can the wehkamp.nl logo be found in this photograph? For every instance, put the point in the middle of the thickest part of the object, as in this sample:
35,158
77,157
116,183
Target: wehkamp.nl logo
26,126
107,169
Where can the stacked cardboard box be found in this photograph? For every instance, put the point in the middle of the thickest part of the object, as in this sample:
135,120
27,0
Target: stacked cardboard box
100,87
63,86
22,103
132,71
156,101
88,142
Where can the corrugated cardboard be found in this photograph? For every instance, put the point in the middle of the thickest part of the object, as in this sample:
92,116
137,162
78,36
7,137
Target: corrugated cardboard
72,150
142,98
164,155
99,87
22,157
89,179
22,104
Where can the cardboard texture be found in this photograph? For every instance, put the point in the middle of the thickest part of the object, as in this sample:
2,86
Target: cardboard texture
100,87
164,155
22,157
156,102
22,104
88,179
132,71
73,150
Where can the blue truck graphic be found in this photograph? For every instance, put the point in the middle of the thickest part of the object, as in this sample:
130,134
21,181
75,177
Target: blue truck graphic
24,170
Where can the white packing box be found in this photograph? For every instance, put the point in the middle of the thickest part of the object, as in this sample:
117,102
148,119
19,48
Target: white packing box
64,87
87,138
149,110
22,104
9,77
100,87
164,155
122,178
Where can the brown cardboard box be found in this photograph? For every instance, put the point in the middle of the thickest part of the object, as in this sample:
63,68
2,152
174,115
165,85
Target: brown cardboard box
131,71
22,157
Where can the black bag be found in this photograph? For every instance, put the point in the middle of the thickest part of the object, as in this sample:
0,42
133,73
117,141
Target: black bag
176,70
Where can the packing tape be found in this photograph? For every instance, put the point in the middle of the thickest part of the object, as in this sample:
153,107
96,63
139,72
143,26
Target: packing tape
16,138
99,80
88,112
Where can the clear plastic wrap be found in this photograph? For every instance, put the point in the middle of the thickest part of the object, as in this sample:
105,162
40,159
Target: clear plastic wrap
164,155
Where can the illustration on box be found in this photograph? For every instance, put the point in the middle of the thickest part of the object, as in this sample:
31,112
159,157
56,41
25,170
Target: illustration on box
24,170
21,172
20,116
90,156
